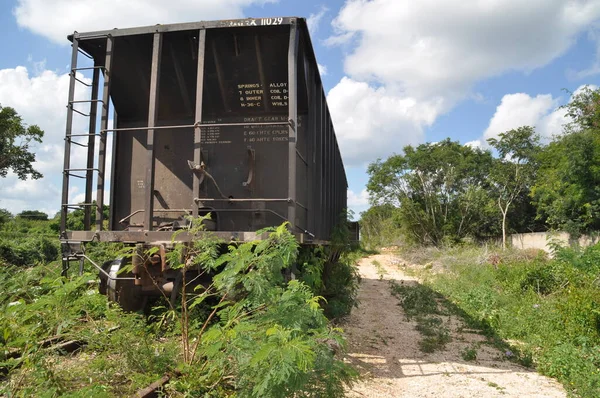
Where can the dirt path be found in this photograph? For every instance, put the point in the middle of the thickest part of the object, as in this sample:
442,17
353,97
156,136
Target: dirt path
384,346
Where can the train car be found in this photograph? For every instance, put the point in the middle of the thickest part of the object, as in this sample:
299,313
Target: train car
227,118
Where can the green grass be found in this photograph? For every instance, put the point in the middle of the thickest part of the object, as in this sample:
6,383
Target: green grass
551,308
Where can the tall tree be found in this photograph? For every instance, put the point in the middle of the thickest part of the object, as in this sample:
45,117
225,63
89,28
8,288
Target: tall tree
33,215
15,141
514,171
439,189
567,190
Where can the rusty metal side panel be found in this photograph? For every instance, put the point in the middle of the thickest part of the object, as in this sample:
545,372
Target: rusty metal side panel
245,72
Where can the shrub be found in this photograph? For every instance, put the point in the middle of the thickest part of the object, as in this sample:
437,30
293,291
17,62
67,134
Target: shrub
28,251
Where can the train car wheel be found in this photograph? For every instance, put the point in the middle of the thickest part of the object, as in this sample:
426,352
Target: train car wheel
124,292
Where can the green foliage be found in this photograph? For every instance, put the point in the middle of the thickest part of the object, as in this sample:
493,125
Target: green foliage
380,226
26,241
340,285
33,215
439,191
5,216
250,333
552,307
469,353
566,191
75,218
15,141
270,338
421,302
28,251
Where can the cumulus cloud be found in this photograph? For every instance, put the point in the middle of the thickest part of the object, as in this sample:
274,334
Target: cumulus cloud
542,112
415,60
57,18
322,69
443,48
358,202
41,99
372,122
520,109
360,199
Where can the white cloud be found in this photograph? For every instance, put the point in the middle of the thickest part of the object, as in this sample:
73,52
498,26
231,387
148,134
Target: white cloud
408,62
314,20
18,195
475,144
372,122
442,48
360,199
57,18
358,202
322,69
542,112
520,109
41,99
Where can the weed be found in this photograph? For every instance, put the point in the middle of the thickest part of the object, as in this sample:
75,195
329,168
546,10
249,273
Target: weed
469,353
416,299
248,334
381,272
436,342
421,302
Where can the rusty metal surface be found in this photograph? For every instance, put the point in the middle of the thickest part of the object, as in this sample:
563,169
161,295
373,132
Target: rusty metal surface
166,237
243,103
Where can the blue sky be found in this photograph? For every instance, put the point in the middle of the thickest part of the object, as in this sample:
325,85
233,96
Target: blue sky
397,72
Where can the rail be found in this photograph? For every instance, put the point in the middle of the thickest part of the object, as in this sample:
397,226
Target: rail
200,125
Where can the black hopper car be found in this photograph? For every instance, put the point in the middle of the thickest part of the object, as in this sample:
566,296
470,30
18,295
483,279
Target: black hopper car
227,118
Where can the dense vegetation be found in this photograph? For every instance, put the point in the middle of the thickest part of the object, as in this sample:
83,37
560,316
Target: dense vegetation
250,333
445,192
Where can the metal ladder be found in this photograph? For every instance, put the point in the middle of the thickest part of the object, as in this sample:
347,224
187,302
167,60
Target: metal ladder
73,251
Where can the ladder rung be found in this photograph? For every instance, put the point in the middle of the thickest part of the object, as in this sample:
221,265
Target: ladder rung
78,205
82,135
85,101
88,68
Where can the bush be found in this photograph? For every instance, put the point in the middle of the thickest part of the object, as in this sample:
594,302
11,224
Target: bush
28,251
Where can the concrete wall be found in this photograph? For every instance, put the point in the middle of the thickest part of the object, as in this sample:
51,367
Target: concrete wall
541,240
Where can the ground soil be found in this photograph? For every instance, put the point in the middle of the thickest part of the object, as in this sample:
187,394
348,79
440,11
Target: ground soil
384,345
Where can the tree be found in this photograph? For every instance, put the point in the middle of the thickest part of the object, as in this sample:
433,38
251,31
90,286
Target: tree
440,189
33,215
15,140
379,226
5,216
75,218
567,193
514,171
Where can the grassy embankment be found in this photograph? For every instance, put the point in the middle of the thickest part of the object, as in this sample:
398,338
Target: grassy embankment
544,312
